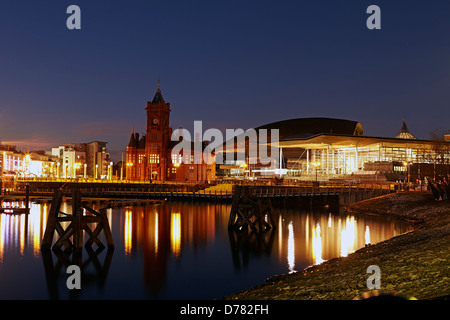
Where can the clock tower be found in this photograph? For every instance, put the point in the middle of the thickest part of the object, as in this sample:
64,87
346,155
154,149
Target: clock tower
158,136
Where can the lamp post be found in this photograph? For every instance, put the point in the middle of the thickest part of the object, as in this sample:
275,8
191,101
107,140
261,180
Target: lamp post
316,164
110,169
121,169
408,170
244,167
84,174
75,167
129,165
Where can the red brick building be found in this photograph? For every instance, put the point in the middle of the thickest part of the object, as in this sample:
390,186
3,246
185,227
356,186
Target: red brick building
149,157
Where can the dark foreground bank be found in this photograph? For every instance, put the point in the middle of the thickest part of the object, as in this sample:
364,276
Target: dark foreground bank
412,265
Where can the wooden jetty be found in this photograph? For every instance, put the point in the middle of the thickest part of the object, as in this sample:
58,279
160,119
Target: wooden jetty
13,210
18,210
79,222
250,211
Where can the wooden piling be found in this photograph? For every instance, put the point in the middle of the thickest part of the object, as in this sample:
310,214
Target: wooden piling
249,211
79,222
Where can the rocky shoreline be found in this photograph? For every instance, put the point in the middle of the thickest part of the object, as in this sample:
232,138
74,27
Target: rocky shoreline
412,265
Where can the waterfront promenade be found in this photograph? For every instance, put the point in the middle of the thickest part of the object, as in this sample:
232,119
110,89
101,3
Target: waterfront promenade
336,193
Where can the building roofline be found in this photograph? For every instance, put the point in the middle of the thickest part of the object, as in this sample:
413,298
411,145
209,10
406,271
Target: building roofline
351,140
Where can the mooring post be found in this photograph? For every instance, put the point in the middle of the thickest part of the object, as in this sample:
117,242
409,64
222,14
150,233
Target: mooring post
52,219
27,197
77,213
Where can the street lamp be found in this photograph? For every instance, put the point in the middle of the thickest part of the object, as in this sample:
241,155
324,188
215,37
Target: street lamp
407,164
75,167
316,164
129,165
243,167
121,168
57,168
110,169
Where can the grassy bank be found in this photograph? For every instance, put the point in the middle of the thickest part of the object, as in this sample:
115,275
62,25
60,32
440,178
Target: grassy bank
415,264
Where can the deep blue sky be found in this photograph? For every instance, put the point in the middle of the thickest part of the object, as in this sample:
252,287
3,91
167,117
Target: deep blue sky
231,64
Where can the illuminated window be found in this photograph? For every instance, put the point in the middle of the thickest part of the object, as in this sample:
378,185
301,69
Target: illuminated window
153,158
175,159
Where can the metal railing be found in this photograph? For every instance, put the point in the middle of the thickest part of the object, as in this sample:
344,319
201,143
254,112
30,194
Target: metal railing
179,190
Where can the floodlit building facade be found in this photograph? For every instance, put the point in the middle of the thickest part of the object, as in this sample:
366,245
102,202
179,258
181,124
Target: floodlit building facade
16,164
149,156
335,148
83,160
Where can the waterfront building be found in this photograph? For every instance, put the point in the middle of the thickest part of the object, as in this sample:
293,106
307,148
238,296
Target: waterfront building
16,164
98,160
149,156
337,149
12,162
83,160
242,165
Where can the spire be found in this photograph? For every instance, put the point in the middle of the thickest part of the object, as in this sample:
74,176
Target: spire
404,127
132,142
158,98
404,132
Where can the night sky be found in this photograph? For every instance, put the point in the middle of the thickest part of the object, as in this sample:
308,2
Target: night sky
231,64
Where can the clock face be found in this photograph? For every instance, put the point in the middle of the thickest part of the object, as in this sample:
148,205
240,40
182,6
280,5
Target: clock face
155,121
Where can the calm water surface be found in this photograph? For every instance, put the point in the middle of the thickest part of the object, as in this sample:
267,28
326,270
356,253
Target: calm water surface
178,251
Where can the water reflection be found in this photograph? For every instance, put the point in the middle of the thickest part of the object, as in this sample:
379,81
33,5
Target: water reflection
18,231
316,245
175,233
94,270
170,247
128,232
291,248
179,230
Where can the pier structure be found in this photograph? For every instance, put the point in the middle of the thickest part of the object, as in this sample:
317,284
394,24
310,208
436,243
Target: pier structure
250,211
116,194
80,219
17,210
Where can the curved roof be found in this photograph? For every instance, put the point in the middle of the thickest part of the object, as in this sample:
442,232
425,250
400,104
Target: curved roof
306,127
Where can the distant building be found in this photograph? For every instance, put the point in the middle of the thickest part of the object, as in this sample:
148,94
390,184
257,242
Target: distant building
149,157
16,164
337,149
83,160
12,162
97,159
